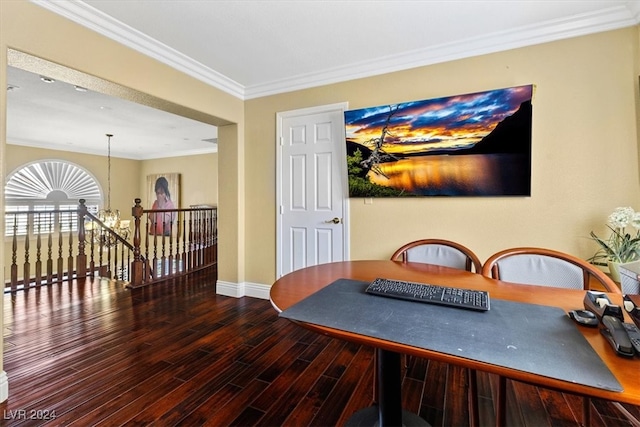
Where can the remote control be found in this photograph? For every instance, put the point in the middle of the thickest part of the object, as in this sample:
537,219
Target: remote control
634,335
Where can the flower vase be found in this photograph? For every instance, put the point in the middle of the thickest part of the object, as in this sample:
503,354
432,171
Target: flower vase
614,270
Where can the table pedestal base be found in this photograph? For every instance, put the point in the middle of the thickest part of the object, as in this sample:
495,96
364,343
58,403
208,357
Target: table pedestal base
371,417
388,411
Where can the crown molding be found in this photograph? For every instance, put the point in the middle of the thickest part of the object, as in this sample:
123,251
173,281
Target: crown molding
89,17
634,8
579,25
604,20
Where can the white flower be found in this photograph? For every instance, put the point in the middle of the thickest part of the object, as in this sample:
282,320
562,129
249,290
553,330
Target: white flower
635,220
620,246
621,217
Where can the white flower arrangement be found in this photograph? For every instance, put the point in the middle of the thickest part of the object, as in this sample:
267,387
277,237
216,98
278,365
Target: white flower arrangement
620,246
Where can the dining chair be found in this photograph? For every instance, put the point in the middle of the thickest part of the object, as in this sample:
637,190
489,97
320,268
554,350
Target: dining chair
543,267
445,253
439,252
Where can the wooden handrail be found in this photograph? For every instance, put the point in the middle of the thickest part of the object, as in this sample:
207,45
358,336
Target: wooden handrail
109,231
189,245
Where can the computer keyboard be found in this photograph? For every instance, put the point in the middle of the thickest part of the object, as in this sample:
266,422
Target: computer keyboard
431,294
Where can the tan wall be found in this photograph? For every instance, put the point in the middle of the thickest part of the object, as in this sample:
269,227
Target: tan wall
585,152
231,220
198,178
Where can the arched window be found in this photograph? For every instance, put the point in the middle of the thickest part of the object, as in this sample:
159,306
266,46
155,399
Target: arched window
48,186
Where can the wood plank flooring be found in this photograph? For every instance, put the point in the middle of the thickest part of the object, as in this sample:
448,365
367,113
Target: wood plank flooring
177,354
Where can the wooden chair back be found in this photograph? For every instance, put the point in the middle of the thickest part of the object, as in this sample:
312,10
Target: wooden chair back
545,267
439,252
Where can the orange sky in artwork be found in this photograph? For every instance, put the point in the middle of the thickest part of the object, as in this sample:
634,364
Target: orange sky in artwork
444,123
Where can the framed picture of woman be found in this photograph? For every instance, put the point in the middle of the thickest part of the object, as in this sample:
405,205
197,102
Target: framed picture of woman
163,193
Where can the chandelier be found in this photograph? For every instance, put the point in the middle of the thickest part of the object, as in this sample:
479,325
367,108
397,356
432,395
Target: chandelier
111,218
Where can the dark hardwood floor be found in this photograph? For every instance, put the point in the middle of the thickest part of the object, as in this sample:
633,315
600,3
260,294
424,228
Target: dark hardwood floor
177,354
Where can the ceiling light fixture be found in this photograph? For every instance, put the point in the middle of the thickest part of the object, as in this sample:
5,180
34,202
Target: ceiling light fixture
111,218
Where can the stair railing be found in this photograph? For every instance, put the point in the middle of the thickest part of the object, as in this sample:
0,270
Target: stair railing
46,247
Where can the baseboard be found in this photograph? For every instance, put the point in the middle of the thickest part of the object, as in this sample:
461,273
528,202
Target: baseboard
4,386
229,289
257,290
244,289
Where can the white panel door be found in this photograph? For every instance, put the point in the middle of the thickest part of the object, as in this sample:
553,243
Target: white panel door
311,198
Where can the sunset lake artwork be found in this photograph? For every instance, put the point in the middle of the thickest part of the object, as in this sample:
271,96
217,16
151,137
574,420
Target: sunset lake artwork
476,144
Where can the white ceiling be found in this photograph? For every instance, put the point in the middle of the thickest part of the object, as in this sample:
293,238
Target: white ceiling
57,116
254,48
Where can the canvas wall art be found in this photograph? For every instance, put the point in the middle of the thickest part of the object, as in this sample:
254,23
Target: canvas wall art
164,193
166,182
476,144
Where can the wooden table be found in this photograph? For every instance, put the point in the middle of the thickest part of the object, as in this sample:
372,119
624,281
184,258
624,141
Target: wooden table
296,286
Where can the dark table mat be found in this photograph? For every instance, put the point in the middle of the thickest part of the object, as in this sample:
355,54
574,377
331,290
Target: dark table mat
527,337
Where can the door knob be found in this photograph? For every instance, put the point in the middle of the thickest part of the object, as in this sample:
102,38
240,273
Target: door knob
335,220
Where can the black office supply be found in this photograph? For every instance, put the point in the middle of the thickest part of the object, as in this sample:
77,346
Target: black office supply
431,294
615,333
631,303
600,305
584,317
527,337
634,335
